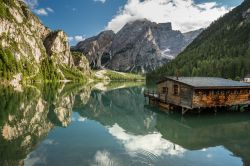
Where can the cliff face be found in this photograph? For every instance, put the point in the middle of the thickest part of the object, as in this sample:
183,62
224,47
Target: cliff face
26,44
56,44
97,48
22,32
140,46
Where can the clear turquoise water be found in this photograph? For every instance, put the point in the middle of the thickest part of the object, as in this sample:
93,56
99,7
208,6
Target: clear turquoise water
74,125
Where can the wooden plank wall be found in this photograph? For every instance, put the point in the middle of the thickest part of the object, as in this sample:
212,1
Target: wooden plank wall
186,93
213,98
184,99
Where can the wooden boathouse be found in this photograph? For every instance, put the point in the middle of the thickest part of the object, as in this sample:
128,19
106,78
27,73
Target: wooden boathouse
191,93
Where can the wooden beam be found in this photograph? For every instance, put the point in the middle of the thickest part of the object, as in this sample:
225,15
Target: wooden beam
184,110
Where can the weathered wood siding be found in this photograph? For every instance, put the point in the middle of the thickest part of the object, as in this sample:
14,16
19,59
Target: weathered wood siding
186,94
213,98
173,99
160,87
184,97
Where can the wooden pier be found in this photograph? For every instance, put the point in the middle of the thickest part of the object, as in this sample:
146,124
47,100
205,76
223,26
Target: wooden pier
155,99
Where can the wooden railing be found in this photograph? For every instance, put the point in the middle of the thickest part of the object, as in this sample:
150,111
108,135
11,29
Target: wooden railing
159,96
149,93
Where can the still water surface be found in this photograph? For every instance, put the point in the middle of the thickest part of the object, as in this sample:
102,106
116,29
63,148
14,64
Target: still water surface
83,125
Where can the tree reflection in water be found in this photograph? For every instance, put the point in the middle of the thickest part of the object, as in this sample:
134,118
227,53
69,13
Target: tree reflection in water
145,134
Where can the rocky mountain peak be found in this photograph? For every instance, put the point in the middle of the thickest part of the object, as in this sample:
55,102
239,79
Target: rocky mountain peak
96,48
165,26
140,46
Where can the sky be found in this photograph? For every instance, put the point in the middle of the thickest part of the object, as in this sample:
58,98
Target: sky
81,19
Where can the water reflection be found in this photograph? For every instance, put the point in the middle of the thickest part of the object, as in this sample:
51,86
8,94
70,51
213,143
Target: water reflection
27,117
71,124
230,130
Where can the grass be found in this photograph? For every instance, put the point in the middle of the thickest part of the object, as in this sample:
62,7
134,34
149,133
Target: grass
119,76
117,85
73,74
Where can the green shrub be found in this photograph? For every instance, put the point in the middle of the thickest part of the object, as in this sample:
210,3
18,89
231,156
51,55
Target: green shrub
72,73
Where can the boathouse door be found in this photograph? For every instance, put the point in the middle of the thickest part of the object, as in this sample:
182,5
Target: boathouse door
164,93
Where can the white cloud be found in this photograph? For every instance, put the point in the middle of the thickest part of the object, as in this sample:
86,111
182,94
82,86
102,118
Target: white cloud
102,158
102,1
41,12
70,38
153,143
185,15
50,9
81,119
79,38
31,3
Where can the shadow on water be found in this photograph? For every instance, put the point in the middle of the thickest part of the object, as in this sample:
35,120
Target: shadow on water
146,134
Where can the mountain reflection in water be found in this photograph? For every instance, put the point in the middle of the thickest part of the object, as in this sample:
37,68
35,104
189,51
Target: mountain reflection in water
82,125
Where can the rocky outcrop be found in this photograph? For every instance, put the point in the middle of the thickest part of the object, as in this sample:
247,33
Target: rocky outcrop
81,62
22,32
97,48
190,36
140,46
29,43
56,44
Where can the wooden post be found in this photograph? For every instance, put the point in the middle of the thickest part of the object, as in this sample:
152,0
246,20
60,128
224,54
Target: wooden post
215,110
199,110
184,110
238,108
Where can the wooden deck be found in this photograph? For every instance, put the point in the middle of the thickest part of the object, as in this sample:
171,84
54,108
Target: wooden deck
151,94
157,99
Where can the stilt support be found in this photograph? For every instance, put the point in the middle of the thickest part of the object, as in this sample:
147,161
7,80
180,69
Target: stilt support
184,110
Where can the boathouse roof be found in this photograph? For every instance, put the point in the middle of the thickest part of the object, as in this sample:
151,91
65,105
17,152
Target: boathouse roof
208,82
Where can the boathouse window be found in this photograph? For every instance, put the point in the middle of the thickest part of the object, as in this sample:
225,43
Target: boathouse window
164,90
176,89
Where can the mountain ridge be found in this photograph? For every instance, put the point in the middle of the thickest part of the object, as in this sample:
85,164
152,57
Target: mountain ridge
140,46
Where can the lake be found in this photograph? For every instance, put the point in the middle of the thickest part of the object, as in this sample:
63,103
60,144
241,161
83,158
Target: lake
71,124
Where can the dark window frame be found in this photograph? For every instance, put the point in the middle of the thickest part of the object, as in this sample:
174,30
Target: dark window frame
164,90
176,90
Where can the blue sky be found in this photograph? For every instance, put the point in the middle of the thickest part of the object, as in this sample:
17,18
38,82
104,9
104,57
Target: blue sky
85,18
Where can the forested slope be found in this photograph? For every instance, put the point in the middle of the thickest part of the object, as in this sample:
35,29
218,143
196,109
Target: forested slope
222,50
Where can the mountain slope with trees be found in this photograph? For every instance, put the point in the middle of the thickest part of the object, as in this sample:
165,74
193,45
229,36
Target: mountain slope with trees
30,51
222,50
